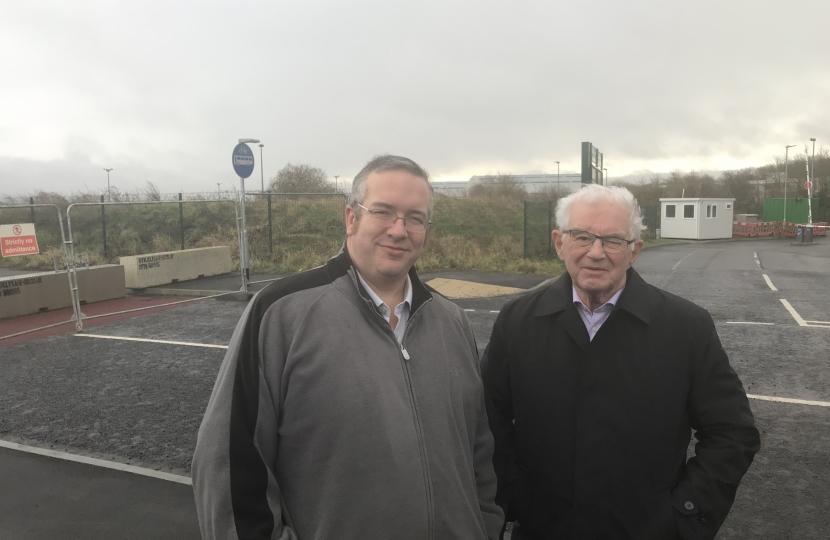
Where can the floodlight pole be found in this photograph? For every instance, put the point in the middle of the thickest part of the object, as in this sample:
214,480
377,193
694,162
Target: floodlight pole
336,176
810,177
109,193
605,177
786,177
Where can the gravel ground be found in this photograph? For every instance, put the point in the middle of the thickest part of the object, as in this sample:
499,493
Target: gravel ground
143,402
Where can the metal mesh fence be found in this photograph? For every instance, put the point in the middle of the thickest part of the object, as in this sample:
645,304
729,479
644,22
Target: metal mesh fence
539,221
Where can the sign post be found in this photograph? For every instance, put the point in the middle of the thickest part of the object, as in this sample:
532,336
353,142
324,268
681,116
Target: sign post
18,239
243,165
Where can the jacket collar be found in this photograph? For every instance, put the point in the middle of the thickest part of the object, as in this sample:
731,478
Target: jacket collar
635,299
342,262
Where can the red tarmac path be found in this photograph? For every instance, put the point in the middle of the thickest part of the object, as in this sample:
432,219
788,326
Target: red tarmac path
64,315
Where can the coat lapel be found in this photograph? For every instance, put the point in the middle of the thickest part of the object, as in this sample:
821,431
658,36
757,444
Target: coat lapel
557,302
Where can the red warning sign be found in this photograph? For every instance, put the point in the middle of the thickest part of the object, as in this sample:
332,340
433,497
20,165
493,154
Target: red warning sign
18,239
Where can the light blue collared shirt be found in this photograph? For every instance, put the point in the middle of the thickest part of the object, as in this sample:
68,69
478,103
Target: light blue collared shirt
401,310
594,319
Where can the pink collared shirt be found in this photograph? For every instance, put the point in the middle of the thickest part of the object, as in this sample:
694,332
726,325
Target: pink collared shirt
593,319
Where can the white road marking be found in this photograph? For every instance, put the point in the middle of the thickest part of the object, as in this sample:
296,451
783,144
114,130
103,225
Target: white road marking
747,322
146,340
469,310
97,462
818,322
771,286
681,260
790,400
794,313
494,311
758,261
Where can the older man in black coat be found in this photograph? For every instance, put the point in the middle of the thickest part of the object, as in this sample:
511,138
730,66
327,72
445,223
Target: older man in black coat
593,386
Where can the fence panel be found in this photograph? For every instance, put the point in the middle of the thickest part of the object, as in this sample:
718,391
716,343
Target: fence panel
539,221
304,230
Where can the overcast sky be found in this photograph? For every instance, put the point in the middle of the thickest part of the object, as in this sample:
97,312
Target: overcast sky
161,91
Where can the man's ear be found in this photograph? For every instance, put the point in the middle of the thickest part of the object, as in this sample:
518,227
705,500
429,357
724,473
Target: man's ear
638,247
556,236
351,221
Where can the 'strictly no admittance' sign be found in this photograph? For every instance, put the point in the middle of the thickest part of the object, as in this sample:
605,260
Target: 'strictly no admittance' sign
18,239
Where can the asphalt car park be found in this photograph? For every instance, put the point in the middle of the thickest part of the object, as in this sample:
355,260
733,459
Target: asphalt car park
132,393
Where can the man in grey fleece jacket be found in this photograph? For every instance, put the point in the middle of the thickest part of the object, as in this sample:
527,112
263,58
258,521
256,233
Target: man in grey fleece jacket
350,401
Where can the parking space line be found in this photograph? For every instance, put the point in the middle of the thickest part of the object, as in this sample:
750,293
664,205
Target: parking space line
681,260
771,286
790,400
794,313
758,261
146,340
818,322
748,322
97,462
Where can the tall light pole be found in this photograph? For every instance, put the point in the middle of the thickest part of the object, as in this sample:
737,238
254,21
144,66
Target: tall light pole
786,176
557,177
109,193
261,174
605,177
218,191
811,177
336,176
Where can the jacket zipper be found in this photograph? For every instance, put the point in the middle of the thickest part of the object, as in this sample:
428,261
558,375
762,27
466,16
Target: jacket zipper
419,430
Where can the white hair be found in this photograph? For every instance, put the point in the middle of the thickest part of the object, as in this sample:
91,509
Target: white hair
594,193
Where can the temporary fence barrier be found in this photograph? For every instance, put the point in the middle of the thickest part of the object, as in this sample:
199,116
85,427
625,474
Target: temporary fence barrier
67,255
772,228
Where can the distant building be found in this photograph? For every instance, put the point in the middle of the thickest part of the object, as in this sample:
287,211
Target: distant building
533,183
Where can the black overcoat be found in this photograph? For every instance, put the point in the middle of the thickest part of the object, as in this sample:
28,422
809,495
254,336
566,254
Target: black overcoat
591,437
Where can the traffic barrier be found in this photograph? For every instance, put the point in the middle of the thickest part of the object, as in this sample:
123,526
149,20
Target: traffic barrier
739,228
42,291
142,271
772,228
820,228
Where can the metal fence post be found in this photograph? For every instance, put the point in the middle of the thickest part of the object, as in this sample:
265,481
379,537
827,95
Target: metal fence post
32,209
181,219
550,228
270,228
524,250
104,226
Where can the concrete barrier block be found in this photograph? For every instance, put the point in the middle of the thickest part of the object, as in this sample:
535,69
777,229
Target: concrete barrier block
42,291
142,271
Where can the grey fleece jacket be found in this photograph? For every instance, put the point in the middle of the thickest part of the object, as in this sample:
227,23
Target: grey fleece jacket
322,426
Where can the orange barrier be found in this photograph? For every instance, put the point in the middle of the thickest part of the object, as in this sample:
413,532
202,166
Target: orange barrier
772,228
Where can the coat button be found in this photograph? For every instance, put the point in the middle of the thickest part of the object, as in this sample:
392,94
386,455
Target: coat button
702,518
689,505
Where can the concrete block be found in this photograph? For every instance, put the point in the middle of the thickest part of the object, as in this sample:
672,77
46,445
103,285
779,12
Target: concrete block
142,271
42,291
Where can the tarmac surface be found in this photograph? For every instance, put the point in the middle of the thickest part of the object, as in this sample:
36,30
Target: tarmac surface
141,402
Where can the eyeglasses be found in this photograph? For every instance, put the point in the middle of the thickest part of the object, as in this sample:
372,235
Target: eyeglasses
609,243
387,217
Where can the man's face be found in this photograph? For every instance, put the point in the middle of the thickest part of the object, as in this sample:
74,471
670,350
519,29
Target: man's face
596,273
384,253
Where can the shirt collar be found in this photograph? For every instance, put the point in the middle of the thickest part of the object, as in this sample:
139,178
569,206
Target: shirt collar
611,301
376,299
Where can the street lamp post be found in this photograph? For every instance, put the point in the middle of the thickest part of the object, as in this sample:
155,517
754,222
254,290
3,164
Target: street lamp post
336,176
786,176
261,173
557,177
109,193
811,178
218,191
605,177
